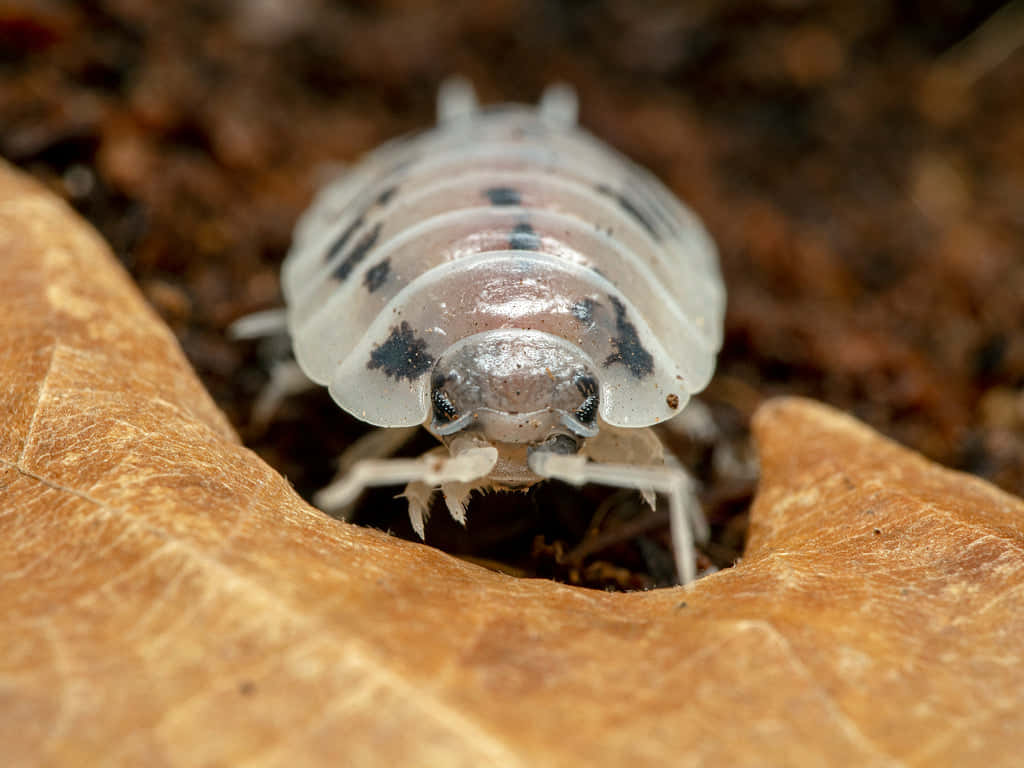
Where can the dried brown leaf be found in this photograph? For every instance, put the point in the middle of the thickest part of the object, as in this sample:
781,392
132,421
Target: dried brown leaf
166,599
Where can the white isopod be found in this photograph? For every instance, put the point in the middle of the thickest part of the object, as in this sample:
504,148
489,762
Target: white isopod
528,295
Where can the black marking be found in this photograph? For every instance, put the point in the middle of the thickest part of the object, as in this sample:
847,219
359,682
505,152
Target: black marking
628,349
632,210
503,196
445,411
583,310
377,275
385,196
523,238
402,355
338,245
357,254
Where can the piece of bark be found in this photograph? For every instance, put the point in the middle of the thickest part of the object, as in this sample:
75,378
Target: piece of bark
167,600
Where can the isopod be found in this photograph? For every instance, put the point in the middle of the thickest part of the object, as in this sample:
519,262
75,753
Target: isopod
530,296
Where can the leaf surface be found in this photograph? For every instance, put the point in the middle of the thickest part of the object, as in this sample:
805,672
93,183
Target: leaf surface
167,600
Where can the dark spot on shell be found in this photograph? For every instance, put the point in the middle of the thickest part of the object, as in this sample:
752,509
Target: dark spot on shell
385,196
357,254
503,196
338,245
672,401
628,207
377,275
628,349
523,238
402,355
583,310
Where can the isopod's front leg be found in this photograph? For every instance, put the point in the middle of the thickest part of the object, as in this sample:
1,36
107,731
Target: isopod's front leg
420,494
432,469
456,496
627,446
643,447
378,444
685,514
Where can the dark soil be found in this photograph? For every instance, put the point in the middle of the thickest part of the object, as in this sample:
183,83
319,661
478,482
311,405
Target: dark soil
860,164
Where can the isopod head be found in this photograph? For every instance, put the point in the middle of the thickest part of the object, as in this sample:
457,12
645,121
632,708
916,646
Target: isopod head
518,390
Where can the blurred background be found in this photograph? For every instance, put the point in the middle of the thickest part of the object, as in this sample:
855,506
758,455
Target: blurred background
860,164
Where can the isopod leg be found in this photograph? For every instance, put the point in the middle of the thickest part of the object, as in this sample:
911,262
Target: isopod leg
696,423
456,497
259,325
628,446
378,444
559,105
456,100
685,514
418,495
694,510
430,470
286,380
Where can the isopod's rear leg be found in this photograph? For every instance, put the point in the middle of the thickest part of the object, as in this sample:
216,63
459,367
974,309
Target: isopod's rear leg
260,325
286,378
685,514
456,100
559,105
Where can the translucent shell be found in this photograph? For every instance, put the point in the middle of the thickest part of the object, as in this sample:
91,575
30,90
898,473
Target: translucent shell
502,220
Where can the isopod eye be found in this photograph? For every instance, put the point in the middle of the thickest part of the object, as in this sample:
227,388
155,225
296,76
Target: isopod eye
444,410
583,420
587,412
